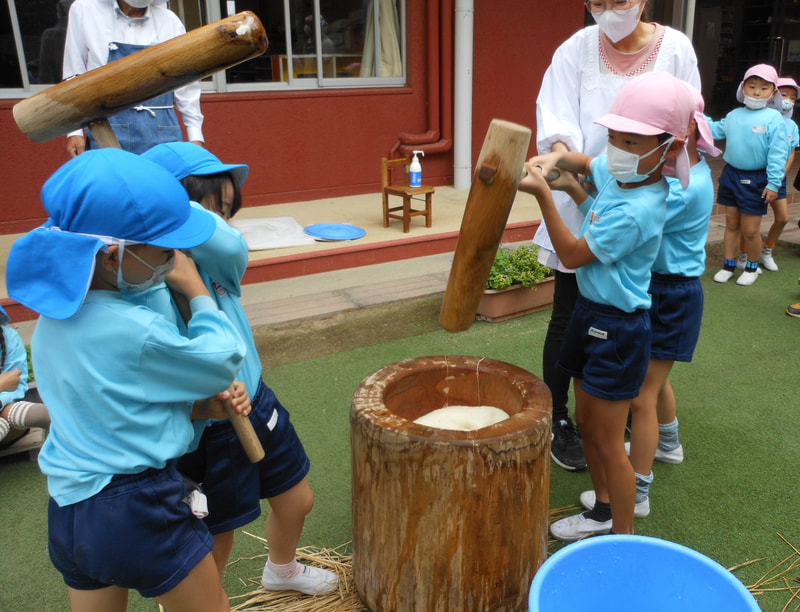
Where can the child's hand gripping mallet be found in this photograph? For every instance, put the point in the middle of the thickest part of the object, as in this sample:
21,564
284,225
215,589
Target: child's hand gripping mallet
241,423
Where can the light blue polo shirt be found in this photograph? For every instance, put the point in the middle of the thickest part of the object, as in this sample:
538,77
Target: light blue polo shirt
623,230
119,381
683,244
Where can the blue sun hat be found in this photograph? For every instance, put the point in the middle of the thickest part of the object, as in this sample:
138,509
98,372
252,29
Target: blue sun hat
4,318
185,158
100,198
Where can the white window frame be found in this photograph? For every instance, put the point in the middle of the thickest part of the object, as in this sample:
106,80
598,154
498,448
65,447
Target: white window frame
218,83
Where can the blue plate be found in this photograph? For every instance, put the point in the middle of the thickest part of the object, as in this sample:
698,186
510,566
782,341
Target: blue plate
334,231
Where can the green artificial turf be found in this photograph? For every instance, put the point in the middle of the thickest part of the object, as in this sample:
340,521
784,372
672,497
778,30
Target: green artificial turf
737,407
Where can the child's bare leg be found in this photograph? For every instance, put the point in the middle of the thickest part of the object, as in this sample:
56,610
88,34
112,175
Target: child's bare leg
584,420
200,591
608,431
283,528
284,524
780,209
730,245
732,229
751,231
667,407
109,599
223,545
644,425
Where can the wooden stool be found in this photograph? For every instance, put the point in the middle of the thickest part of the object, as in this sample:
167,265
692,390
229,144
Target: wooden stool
404,191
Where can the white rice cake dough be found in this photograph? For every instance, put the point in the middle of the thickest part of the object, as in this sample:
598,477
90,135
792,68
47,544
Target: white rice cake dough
462,418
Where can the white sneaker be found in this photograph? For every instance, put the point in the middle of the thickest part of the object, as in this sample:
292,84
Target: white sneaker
747,278
723,276
640,510
741,261
768,262
311,581
674,456
578,526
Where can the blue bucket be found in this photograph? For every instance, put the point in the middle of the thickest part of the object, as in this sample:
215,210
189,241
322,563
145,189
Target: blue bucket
629,573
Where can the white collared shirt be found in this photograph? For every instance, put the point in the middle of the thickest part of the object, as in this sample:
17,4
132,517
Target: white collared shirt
94,24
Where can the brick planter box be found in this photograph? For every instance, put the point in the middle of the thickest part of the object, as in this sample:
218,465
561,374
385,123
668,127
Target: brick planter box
502,304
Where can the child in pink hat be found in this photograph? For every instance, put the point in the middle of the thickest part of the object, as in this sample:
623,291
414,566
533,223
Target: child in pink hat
606,347
675,316
756,152
789,91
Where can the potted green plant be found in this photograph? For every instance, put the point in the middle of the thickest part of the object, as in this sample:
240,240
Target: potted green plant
517,285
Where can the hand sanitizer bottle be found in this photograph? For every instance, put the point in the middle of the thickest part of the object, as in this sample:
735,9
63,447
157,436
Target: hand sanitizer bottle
415,170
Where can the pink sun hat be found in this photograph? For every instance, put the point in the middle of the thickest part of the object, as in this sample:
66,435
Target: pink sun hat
769,74
652,104
789,82
649,105
705,140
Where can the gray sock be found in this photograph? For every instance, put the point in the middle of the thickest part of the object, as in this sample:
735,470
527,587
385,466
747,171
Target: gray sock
643,487
4,428
668,436
28,414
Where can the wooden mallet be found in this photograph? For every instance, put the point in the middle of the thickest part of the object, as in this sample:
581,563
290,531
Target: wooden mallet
494,185
89,99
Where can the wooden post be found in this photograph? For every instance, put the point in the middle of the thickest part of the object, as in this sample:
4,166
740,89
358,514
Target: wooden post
449,521
494,185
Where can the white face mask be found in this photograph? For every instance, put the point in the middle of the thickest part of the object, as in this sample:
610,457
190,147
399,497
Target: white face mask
139,3
787,106
159,273
755,103
618,25
624,165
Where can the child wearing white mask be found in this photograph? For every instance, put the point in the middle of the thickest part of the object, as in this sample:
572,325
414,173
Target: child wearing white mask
780,207
126,392
756,152
606,347
583,79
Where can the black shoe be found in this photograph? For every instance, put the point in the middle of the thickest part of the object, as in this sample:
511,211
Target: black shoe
565,448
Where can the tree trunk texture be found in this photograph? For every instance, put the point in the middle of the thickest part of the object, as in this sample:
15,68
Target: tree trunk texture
448,520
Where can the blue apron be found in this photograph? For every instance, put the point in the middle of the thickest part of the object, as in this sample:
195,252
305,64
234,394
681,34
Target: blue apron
147,124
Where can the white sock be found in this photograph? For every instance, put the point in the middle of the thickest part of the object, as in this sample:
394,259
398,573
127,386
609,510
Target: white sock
4,428
285,570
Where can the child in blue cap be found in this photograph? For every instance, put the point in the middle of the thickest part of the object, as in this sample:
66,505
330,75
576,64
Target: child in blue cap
126,392
231,482
15,411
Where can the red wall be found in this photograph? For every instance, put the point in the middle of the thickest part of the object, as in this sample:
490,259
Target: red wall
513,45
309,145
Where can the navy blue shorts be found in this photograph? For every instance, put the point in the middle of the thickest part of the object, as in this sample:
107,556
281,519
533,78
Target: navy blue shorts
782,190
135,534
233,485
607,348
743,189
675,316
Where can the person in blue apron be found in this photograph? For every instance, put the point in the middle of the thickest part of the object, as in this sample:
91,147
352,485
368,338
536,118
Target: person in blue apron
147,124
102,31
